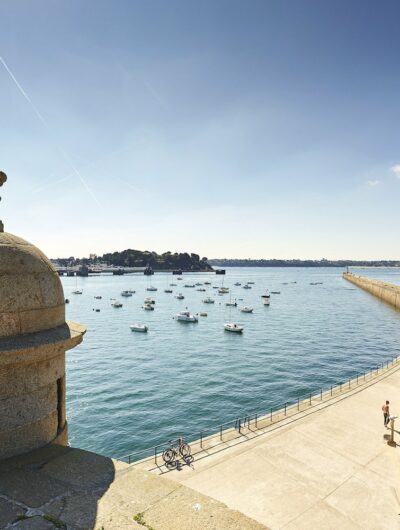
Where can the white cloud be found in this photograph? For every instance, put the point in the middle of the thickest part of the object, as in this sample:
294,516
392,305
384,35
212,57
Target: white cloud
396,170
373,183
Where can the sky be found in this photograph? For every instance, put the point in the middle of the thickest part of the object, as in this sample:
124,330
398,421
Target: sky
241,129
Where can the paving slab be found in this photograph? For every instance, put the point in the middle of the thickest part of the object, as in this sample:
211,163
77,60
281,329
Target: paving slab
79,490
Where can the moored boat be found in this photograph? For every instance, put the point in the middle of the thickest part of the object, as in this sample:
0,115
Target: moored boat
208,300
186,316
234,328
139,327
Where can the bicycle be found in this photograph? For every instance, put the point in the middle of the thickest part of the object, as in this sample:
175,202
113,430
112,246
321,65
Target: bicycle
177,447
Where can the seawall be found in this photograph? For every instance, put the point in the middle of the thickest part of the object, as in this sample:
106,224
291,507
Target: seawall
385,291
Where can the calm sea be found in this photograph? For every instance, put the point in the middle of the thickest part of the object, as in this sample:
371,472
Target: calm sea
128,391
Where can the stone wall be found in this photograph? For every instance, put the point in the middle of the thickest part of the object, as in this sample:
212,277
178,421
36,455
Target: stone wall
385,291
32,403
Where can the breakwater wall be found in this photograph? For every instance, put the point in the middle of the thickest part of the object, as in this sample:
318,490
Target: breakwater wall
385,291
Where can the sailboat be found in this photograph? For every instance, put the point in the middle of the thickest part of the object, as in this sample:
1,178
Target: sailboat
222,289
167,289
77,291
232,326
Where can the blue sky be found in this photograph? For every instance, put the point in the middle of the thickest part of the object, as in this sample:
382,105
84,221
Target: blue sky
227,128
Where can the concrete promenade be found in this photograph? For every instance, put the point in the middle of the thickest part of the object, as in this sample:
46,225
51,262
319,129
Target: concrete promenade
328,467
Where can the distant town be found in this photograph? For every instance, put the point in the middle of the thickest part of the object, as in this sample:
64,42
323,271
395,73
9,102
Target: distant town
301,263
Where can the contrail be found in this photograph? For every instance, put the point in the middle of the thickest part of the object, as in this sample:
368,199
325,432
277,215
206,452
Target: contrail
44,122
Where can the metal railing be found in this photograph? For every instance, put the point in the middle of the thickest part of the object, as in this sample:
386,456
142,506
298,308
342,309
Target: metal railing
245,423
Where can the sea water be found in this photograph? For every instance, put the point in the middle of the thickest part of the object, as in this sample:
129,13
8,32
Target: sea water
128,391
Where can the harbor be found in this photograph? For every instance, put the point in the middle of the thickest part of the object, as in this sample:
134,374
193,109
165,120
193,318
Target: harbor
204,374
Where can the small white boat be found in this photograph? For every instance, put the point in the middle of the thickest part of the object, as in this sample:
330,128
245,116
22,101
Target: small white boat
167,290
179,296
203,314
215,287
207,283
223,290
266,295
185,316
198,283
173,284
131,291
179,278
116,304
209,300
231,304
275,292
235,328
77,291
201,290
98,297
149,300
139,327
247,286
151,288
266,301
246,309
250,283
148,307
126,293
189,285
238,284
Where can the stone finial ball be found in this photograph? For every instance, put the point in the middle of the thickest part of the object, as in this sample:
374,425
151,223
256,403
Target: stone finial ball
3,178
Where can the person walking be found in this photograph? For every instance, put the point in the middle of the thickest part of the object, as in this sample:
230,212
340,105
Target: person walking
385,410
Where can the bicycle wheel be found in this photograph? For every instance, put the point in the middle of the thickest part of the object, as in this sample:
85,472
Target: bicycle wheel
169,455
185,450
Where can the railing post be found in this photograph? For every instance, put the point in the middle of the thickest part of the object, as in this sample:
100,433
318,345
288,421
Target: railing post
155,455
321,394
271,413
364,376
201,439
349,383
310,400
220,433
331,390
285,408
357,379
256,420
240,426
298,403
129,459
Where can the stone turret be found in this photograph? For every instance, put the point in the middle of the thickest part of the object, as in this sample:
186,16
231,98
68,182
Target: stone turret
34,337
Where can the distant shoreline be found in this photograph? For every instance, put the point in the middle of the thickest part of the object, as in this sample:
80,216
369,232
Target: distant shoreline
303,263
